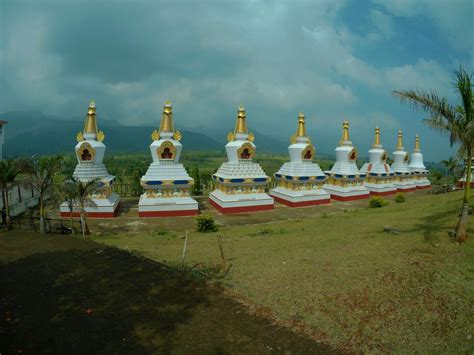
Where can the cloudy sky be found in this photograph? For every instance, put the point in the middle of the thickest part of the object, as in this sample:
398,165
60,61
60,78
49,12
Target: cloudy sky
331,59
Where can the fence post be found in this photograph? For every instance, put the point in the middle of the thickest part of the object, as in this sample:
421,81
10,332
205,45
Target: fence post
184,250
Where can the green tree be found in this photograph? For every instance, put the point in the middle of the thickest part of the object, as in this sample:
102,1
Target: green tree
196,189
450,164
66,191
84,191
457,122
42,178
9,170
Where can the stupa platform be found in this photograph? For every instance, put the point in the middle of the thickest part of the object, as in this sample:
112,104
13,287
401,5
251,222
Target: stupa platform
101,208
301,198
404,183
376,190
240,203
167,207
352,193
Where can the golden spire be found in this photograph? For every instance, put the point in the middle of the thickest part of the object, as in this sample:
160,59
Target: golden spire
90,127
377,137
241,124
166,124
417,143
301,131
345,131
400,140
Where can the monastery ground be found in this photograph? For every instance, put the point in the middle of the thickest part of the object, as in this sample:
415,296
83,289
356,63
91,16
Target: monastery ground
328,273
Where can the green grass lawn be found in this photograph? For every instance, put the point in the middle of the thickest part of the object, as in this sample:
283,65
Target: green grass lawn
333,272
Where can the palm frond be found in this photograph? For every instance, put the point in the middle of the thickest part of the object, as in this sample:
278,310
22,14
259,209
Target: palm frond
429,102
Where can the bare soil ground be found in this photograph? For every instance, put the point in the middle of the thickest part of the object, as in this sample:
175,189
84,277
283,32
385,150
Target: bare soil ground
64,295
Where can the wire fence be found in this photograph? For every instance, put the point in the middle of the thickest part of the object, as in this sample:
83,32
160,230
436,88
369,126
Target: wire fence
52,225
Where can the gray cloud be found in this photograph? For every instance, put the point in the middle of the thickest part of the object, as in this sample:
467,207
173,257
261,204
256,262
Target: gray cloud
275,57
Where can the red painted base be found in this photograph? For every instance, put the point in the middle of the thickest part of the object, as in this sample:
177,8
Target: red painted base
411,189
383,193
423,187
302,203
461,184
182,213
244,209
349,198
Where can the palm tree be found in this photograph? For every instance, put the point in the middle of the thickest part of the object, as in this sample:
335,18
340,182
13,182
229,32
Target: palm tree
9,170
457,122
84,190
66,191
42,178
451,164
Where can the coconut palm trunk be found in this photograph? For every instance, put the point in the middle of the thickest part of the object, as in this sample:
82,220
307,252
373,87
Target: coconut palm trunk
42,227
461,228
8,219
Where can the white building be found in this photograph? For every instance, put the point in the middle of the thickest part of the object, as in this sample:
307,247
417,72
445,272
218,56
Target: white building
167,185
380,176
300,180
240,182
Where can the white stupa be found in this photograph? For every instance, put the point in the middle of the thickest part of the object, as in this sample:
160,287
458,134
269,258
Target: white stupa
461,182
300,180
90,152
403,175
345,182
240,183
166,183
379,179
417,167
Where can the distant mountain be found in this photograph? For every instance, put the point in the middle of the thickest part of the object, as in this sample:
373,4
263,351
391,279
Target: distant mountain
32,132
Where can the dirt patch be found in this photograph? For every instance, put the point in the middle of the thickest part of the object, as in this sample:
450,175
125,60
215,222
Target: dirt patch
67,295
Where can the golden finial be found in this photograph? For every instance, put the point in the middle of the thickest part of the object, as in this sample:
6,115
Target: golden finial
90,126
241,124
301,131
166,124
155,135
177,135
417,143
345,131
400,140
80,137
100,136
377,137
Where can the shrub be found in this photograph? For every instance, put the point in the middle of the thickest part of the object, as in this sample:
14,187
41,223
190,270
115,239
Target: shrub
205,223
377,201
400,198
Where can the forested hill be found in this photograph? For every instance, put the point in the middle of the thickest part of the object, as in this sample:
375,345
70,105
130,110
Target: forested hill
32,132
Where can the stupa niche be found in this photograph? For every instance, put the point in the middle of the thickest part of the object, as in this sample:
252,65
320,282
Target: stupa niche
403,176
300,180
417,167
240,183
90,151
345,181
166,183
379,179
